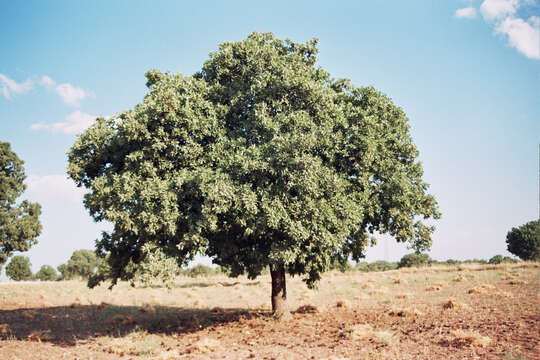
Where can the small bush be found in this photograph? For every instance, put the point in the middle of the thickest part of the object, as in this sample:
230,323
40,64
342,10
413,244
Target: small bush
414,259
380,265
452,262
200,270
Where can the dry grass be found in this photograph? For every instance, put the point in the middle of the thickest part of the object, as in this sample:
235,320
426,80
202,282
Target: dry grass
205,346
40,335
138,343
367,332
481,289
405,312
307,309
403,296
468,338
454,304
213,317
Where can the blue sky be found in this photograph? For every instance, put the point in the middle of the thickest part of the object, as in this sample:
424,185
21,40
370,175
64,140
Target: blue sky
467,74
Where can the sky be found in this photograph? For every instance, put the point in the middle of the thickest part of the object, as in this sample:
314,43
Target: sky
466,73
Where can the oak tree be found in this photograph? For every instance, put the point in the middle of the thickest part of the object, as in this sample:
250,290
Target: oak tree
258,160
524,241
19,221
19,268
46,273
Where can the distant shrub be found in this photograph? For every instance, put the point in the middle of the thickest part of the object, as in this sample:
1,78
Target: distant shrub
200,270
508,259
452,262
46,273
414,259
18,268
475,261
380,265
499,259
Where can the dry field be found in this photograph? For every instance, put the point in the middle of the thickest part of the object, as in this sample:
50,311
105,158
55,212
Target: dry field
467,312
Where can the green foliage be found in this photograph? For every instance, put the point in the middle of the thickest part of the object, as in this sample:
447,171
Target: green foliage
524,241
155,269
82,264
259,159
46,273
18,269
414,259
499,259
19,223
452,262
200,270
475,261
379,265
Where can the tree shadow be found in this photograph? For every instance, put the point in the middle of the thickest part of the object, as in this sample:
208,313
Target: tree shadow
65,325
202,284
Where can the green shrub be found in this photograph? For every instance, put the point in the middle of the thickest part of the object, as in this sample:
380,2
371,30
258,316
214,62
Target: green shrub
200,270
452,262
414,259
18,268
46,273
475,261
380,265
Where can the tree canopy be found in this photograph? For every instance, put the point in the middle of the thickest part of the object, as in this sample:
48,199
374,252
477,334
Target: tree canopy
524,241
19,222
46,273
19,268
82,264
259,159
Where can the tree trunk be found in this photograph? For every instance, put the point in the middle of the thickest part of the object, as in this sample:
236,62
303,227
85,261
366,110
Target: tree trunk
280,309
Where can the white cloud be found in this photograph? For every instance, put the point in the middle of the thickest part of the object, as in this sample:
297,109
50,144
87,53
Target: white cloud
47,81
50,189
497,9
522,35
10,86
75,123
70,94
466,13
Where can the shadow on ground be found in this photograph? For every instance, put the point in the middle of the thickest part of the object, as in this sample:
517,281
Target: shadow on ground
65,325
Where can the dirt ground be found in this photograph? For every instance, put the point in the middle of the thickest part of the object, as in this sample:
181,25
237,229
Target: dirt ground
467,312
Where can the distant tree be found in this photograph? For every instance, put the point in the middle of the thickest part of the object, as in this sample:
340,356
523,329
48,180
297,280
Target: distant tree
200,270
46,273
82,264
18,268
259,160
452,262
524,241
415,259
19,223
497,259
